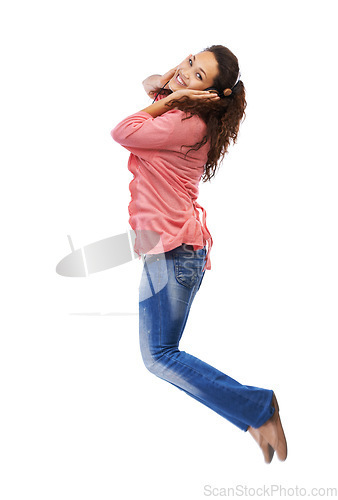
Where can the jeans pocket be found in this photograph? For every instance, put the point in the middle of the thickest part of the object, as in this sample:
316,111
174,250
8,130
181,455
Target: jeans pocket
188,268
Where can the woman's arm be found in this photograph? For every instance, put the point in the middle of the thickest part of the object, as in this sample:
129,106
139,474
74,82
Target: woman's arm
159,107
141,134
165,104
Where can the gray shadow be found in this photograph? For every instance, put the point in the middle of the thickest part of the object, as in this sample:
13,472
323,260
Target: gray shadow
105,254
104,314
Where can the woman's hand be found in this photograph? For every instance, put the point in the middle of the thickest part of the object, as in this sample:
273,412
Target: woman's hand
167,76
194,94
154,83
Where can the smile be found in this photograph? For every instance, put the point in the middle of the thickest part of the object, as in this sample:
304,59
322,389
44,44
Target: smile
180,81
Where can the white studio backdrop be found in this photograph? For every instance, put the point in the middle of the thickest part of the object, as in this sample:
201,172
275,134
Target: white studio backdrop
81,416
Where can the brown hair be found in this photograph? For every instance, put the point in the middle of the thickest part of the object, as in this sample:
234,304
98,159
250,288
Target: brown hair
222,117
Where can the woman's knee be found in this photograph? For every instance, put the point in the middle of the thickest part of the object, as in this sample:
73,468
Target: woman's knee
152,364
148,356
155,361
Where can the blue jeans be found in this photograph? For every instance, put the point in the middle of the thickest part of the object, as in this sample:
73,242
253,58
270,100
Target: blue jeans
169,283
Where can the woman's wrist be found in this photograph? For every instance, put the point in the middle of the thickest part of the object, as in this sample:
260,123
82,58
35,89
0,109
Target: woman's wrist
159,107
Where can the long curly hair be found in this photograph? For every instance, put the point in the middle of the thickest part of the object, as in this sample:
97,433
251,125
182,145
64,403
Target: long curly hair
222,117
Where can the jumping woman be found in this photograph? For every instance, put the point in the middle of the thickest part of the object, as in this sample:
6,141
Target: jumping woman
175,142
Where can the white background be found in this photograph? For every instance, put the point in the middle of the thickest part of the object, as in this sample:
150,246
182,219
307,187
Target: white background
81,417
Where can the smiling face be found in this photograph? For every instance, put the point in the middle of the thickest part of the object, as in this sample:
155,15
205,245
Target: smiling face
195,72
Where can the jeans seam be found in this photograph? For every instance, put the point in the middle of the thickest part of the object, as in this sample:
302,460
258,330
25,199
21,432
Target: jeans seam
159,304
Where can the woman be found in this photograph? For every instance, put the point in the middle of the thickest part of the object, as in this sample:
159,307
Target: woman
175,142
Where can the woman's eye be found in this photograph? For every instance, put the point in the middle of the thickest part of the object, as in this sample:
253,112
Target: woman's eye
197,74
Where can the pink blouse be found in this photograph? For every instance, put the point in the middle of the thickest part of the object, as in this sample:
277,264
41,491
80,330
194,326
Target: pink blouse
165,186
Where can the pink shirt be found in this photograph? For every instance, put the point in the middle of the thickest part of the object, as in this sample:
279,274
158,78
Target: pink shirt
165,186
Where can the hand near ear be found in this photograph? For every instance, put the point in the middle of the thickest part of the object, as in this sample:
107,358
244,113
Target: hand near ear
167,76
154,83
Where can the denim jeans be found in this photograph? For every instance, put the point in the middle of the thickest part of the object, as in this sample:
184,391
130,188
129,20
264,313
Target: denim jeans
169,283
